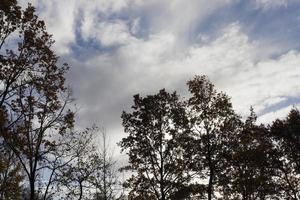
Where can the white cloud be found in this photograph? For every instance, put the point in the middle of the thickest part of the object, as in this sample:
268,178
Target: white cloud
232,61
135,26
267,81
178,17
93,18
60,24
164,56
61,18
268,4
110,33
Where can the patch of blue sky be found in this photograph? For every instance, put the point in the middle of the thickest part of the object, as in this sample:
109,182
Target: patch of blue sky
286,102
279,27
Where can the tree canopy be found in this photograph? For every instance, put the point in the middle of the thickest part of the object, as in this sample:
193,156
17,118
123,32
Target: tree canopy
200,148
154,152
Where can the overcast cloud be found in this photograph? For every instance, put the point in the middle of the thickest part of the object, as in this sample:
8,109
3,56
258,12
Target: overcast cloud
117,48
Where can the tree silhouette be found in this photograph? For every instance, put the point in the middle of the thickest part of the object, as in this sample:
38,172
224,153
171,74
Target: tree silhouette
249,169
154,126
212,122
286,134
80,163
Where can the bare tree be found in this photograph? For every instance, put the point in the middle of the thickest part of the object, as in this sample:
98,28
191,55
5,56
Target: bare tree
105,177
78,166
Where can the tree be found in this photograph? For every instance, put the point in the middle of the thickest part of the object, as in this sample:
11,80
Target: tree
32,90
104,178
213,122
286,135
80,164
67,160
155,156
249,171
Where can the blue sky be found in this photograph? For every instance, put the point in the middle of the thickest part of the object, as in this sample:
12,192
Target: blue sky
117,48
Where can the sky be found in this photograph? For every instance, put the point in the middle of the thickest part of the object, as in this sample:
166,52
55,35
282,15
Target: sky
250,49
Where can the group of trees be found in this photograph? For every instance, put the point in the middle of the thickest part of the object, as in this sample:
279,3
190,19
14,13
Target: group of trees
42,156
193,148
199,148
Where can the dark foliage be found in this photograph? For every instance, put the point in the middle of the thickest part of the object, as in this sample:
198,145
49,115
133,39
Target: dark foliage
155,156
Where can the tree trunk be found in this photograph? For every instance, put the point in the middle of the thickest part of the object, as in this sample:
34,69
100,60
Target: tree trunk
80,194
210,167
163,197
32,181
210,186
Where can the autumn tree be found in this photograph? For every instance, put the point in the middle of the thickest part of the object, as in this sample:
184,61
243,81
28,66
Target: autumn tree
155,158
9,169
32,90
213,122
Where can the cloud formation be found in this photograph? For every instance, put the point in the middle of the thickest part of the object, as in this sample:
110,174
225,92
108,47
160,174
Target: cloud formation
267,4
118,48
